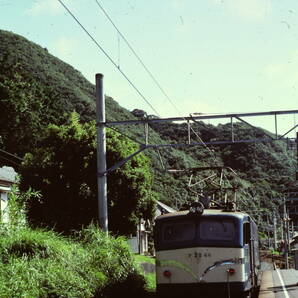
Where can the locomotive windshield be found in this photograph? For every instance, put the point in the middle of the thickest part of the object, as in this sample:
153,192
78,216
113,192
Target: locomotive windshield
181,231
216,231
213,230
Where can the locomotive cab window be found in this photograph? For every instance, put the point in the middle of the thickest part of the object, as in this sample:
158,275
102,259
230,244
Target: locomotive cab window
217,230
178,232
212,232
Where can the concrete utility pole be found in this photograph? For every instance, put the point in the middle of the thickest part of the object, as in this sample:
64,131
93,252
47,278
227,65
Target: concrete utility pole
286,240
101,154
297,155
275,232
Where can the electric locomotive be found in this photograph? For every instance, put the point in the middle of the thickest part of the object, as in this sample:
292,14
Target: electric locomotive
208,253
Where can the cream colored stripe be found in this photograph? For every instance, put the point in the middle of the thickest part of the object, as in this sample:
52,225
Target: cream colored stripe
173,263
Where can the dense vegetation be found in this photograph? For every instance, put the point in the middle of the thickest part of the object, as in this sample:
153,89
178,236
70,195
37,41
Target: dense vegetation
63,168
37,89
37,263
42,263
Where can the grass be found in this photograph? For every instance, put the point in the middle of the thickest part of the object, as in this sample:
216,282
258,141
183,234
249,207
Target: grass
144,259
149,277
150,282
43,263
38,263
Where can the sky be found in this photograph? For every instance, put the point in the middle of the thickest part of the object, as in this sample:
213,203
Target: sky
209,56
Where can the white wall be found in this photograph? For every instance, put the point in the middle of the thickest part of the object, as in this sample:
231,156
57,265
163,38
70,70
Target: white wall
4,207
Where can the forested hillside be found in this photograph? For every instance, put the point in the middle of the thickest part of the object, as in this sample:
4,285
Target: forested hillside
263,169
37,89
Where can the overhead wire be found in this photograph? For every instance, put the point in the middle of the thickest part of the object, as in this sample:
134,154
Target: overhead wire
125,135
10,161
149,72
124,75
140,61
8,157
137,56
109,57
10,154
117,66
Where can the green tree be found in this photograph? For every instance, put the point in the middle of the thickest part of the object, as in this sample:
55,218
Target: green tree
63,169
20,105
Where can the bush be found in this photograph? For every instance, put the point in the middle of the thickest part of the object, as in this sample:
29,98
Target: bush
37,263
116,261
44,264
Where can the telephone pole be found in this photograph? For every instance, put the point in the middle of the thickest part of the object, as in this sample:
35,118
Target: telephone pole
101,154
297,156
274,232
286,235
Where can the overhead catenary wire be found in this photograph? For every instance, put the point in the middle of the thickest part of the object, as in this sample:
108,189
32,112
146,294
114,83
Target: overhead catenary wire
137,56
109,58
125,76
149,72
125,135
139,59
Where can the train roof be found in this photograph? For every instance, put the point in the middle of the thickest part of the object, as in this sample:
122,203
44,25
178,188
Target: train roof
207,213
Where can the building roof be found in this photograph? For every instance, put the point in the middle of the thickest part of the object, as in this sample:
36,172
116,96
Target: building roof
7,176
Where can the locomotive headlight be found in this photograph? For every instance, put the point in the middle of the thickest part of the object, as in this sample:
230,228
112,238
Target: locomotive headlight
167,273
231,271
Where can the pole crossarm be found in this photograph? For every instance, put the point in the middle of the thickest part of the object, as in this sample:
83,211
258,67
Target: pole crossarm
194,144
195,117
199,169
265,140
199,117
